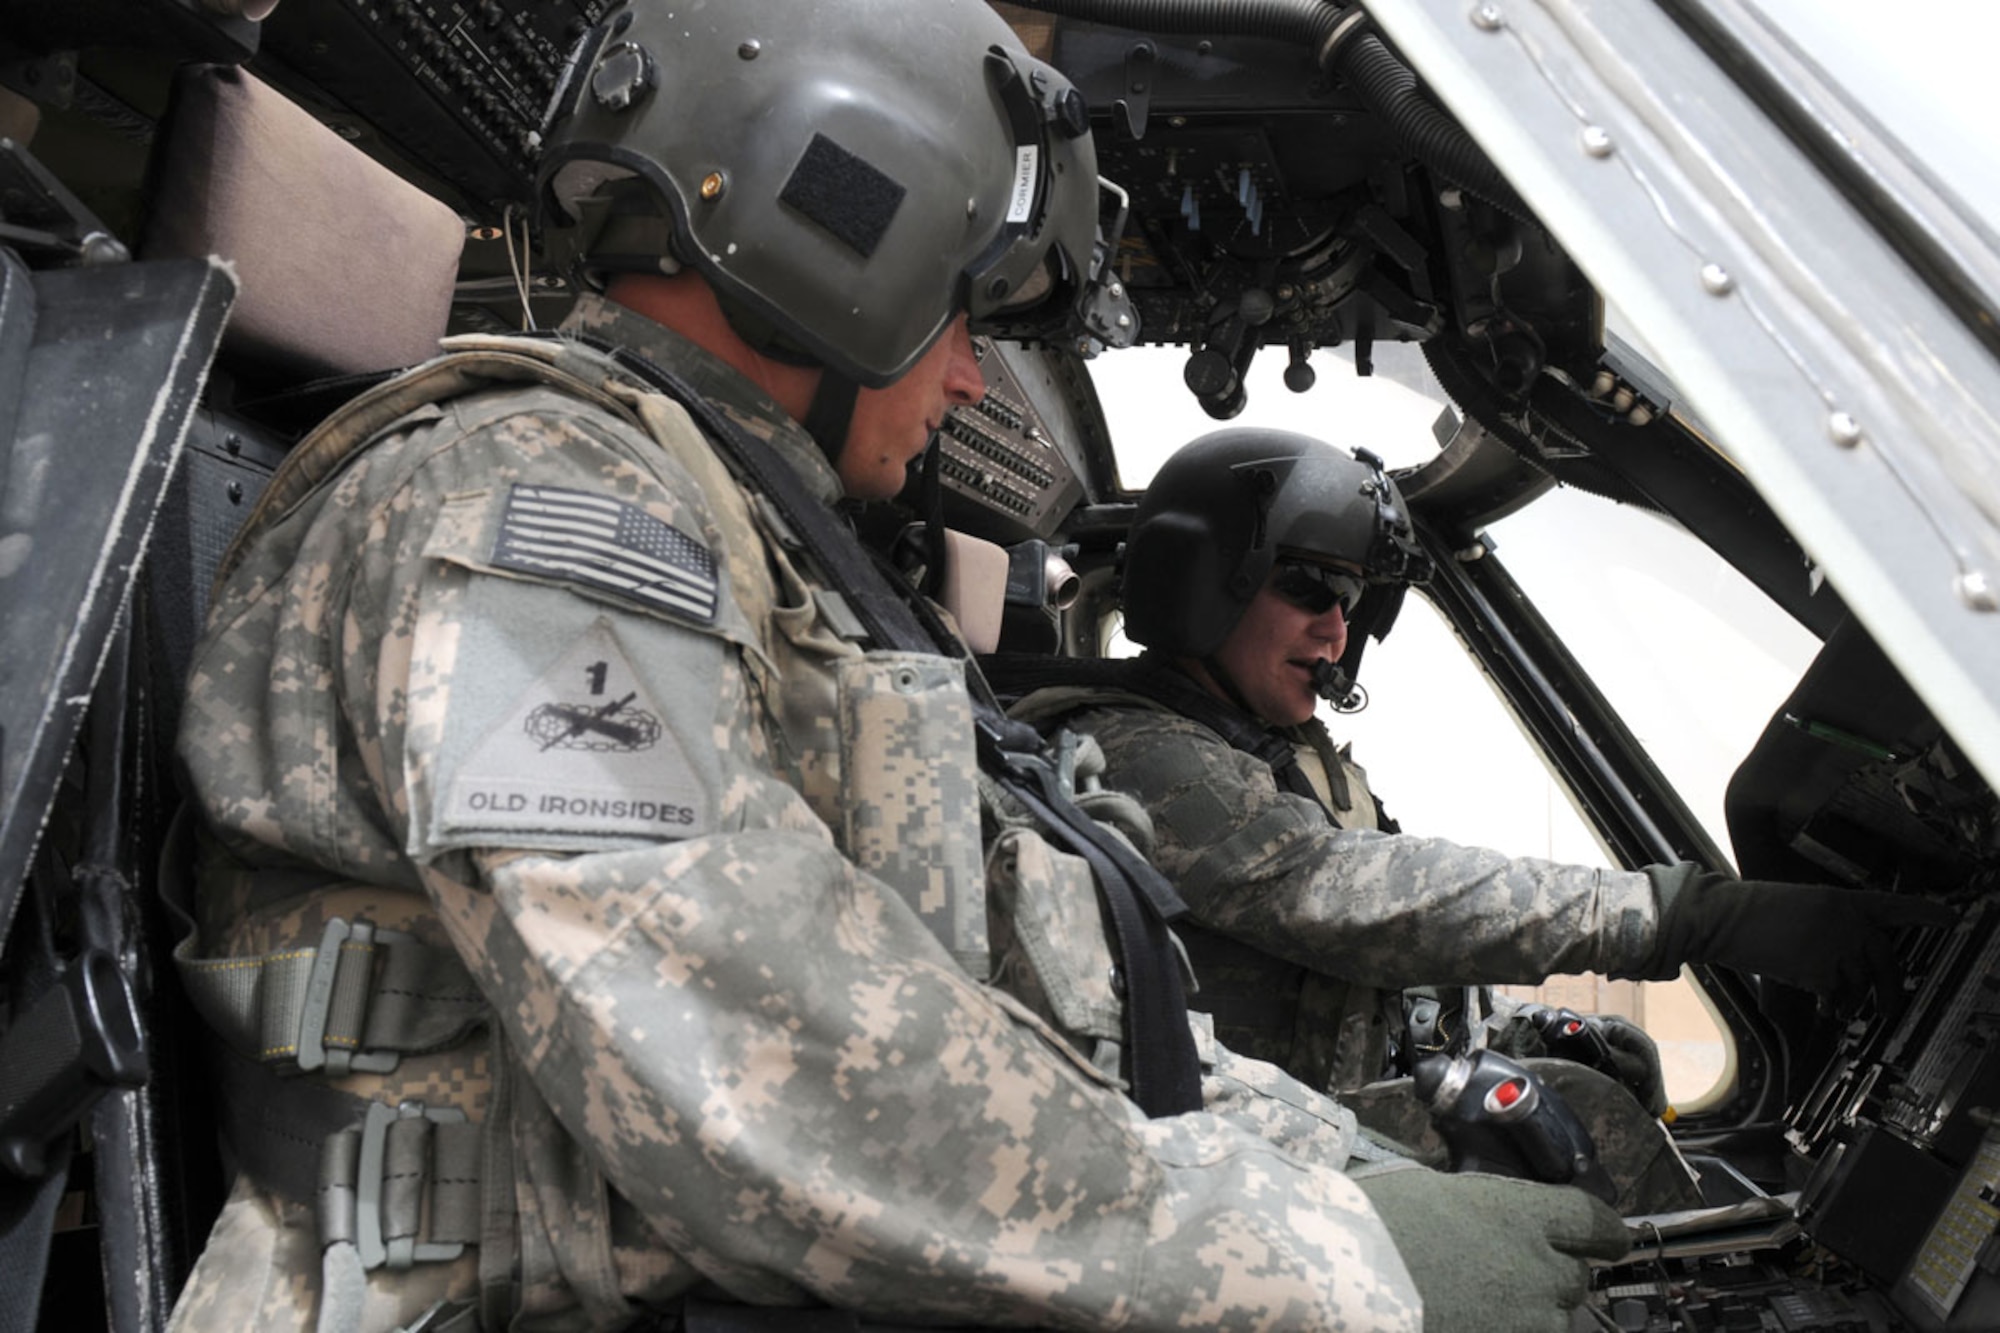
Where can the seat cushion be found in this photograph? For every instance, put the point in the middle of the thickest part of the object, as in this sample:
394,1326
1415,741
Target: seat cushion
344,266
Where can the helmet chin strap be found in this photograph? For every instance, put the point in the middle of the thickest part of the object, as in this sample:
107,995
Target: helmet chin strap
1227,684
832,407
831,412
930,499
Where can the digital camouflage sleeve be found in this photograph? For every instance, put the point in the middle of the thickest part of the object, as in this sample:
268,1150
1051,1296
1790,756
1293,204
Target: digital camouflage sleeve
1383,910
606,792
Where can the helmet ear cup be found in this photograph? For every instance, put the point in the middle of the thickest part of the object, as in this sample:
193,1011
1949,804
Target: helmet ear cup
1173,567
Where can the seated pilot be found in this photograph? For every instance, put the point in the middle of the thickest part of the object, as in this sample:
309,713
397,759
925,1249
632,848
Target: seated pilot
1246,554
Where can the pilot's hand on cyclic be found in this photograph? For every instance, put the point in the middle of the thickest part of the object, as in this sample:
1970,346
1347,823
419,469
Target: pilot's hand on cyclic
1636,1059
1835,942
1629,1055
1492,1253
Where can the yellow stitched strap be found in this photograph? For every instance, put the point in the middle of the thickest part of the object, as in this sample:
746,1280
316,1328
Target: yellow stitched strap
356,1002
226,964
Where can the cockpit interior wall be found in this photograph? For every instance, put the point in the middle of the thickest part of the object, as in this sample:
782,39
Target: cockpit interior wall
1266,203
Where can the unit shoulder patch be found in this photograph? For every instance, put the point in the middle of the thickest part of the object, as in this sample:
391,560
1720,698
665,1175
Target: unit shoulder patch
583,751
608,546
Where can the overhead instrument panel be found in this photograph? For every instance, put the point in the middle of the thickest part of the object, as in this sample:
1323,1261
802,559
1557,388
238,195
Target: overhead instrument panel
454,90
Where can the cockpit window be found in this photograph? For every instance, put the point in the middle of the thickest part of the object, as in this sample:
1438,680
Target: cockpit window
1151,413
1690,654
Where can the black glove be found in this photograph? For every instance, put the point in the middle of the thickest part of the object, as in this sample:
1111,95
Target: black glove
1635,1060
1613,1046
1494,1254
1835,942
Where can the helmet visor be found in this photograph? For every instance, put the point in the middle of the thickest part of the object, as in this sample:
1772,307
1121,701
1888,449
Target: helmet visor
1032,292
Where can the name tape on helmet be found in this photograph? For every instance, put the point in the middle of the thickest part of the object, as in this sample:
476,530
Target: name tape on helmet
1027,170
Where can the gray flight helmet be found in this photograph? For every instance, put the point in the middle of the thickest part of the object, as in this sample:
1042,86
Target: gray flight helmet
849,175
1226,505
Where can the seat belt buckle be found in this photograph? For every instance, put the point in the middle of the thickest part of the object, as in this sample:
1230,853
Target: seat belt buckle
338,990
1018,750
401,1133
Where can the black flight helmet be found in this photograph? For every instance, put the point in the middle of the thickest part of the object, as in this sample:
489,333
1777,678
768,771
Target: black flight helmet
1227,506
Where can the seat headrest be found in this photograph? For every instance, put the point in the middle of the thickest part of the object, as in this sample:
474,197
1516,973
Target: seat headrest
344,266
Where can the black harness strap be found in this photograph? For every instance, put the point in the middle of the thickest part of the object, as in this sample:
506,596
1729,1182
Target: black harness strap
1164,1068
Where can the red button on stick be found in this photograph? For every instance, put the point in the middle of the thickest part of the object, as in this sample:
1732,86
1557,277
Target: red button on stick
1506,1094
1571,1028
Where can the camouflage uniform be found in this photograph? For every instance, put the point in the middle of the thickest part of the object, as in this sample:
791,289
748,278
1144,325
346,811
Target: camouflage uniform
719,874
1306,919
1326,1032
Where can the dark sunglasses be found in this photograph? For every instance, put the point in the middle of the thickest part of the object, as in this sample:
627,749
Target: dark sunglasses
1316,588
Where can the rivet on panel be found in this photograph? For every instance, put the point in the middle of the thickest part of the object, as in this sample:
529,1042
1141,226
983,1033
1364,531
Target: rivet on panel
1487,17
1716,281
712,186
1844,430
1597,141
1976,591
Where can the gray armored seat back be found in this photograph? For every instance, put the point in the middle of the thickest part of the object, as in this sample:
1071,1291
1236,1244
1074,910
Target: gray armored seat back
345,269
344,266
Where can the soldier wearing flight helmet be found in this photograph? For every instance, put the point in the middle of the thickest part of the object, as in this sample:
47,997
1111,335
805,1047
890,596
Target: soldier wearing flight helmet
549,669
1248,553
536,713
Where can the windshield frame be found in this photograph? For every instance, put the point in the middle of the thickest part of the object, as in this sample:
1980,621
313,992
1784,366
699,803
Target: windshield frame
1852,397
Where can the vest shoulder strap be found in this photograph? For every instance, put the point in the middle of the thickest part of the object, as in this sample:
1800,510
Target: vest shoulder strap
470,364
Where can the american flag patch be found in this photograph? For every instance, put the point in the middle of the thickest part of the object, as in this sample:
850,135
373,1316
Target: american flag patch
608,545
